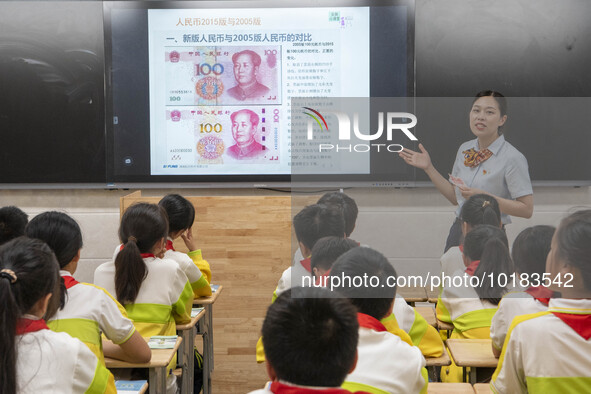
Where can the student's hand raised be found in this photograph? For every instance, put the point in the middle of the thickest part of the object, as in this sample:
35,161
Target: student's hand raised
420,160
190,242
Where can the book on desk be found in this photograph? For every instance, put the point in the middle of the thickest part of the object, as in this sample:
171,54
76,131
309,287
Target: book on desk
130,386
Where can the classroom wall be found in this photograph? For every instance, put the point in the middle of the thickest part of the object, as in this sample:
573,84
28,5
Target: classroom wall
408,225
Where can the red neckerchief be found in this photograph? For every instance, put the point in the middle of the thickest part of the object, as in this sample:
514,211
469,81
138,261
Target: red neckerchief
580,323
144,255
473,158
282,388
472,267
461,248
307,264
367,321
24,325
169,245
540,293
69,281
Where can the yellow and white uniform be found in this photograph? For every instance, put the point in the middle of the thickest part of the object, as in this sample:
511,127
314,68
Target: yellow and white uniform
199,282
452,260
54,362
385,363
512,305
90,310
548,352
164,299
422,335
470,316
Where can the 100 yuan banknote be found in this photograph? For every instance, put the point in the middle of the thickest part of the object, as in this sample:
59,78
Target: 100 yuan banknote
223,75
223,135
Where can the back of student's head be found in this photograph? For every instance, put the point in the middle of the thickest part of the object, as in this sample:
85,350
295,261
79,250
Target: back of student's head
490,246
62,234
317,221
530,249
573,244
181,213
28,272
311,340
142,226
12,223
367,278
481,209
348,206
328,249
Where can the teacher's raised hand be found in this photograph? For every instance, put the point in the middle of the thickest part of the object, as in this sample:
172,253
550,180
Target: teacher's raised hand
420,160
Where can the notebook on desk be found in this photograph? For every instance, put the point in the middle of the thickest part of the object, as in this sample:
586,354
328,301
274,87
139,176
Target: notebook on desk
129,386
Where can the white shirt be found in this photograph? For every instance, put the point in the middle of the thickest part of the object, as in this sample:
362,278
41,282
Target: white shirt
505,174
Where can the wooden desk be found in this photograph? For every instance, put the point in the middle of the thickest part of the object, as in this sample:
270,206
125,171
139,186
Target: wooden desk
412,294
441,325
482,388
473,353
434,362
205,329
450,388
428,313
432,295
186,357
157,365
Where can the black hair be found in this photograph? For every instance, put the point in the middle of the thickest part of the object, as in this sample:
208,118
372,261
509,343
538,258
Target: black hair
573,239
328,249
373,296
62,234
255,57
311,340
530,249
29,272
489,244
142,225
499,98
12,223
317,221
481,209
180,211
347,204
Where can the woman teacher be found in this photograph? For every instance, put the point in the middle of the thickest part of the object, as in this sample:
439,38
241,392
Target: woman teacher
487,164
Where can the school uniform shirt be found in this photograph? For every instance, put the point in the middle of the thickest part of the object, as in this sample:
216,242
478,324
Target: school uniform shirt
282,387
88,312
292,277
385,363
452,260
505,174
54,362
547,352
422,334
198,281
193,265
533,300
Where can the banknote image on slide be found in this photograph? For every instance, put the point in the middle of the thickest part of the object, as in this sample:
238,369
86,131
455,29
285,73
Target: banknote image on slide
244,129
223,75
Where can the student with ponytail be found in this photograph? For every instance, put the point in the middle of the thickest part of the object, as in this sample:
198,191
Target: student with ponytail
550,351
86,310
471,305
155,292
34,359
478,209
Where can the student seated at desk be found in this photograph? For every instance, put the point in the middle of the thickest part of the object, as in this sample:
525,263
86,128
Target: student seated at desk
530,251
470,307
181,215
550,351
154,291
86,310
310,342
404,321
35,359
385,364
12,223
478,209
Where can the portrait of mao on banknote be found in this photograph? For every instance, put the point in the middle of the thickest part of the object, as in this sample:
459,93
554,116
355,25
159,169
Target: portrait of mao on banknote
223,75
